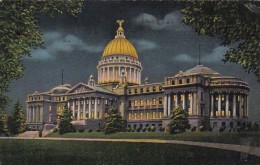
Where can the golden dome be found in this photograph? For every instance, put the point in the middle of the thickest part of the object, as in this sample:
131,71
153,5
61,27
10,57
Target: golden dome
120,46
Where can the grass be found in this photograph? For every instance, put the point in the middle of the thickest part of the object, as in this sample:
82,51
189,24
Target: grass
243,138
31,152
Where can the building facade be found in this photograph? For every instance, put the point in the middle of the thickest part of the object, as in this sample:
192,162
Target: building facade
209,97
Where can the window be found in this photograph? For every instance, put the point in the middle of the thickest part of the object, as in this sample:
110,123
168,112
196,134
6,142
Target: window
154,89
160,115
180,81
188,81
135,90
87,101
141,102
129,103
147,89
160,100
141,90
147,102
222,97
76,103
135,116
202,96
141,115
106,102
154,115
173,82
147,115
136,103
98,101
189,95
129,91
49,108
160,88
129,116
92,102
154,101
81,102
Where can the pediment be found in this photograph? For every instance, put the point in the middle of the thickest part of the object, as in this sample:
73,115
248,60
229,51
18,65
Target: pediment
80,88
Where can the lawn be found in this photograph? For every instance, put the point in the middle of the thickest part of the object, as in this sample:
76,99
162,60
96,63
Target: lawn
245,138
32,152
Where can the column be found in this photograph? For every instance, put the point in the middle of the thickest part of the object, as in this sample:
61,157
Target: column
176,100
130,74
36,113
114,77
227,105
247,103
169,104
95,112
41,114
212,106
234,105
184,101
68,104
240,105
108,74
84,109
165,106
27,113
191,103
135,73
103,74
33,112
78,109
73,109
219,104
89,108
30,114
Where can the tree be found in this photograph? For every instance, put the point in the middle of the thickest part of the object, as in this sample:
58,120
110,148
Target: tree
65,125
234,23
179,120
17,122
19,33
3,122
114,122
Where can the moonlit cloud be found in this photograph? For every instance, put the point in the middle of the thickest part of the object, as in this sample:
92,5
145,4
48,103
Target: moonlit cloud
171,21
57,43
142,45
215,56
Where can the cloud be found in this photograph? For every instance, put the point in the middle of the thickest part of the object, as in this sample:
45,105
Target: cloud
143,45
215,56
171,21
57,43
184,58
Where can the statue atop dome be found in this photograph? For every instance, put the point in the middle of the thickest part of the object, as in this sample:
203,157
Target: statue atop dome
120,30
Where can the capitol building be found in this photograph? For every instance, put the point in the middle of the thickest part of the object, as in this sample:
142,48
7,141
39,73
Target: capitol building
207,96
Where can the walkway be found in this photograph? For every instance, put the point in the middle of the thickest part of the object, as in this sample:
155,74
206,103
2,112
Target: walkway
233,147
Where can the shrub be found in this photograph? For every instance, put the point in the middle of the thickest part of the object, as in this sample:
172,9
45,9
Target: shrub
149,129
160,129
98,130
239,129
193,129
90,130
210,129
255,127
188,127
133,130
138,129
55,130
40,133
144,129
202,128
163,129
153,128
222,129
81,129
128,129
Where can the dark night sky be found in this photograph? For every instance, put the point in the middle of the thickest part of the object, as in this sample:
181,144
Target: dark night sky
164,45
